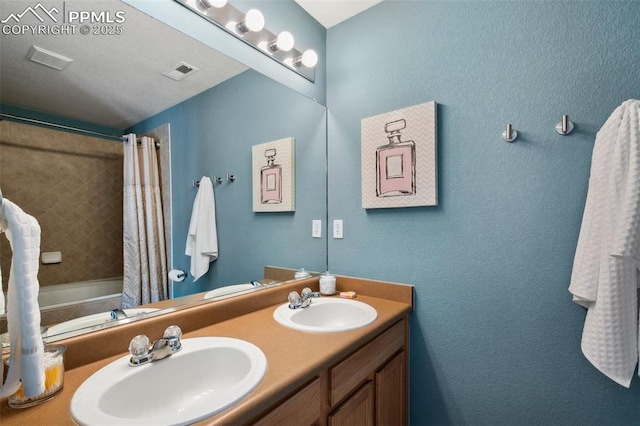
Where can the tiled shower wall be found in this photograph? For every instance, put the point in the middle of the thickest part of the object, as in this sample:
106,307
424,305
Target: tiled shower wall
72,184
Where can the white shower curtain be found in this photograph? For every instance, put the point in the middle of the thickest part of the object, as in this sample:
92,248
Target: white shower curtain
145,263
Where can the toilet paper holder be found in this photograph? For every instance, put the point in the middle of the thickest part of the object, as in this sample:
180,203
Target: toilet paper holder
177,275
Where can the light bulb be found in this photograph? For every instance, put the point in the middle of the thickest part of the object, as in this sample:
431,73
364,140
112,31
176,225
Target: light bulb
253,21
285,41
309,59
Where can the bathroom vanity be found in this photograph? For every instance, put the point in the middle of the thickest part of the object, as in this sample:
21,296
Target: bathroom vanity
367,387
312,378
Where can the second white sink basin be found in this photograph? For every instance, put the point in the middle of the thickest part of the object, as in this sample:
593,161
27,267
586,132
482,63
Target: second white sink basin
327,315
209,375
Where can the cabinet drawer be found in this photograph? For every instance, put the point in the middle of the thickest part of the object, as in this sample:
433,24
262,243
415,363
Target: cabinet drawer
347,375
301,409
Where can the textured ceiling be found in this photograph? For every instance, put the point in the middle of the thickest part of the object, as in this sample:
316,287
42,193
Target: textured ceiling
114,80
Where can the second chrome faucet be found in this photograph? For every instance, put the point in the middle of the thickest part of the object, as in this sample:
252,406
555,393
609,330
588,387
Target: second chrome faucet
303,299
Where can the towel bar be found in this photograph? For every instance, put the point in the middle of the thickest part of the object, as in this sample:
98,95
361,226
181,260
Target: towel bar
216,180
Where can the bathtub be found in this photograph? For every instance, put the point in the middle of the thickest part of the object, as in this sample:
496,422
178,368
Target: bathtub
64,302
77,293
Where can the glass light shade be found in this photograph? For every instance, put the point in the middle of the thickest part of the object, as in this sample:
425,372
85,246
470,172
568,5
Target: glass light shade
285,41
253,20
309,58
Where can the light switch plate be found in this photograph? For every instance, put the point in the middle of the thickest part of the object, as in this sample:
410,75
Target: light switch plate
316,228
337,228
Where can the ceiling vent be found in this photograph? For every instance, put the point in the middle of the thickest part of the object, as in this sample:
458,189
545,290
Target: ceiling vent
180,71
48,58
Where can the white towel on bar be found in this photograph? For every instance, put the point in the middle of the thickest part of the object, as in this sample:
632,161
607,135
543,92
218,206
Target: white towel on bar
605,269
23,311
202,240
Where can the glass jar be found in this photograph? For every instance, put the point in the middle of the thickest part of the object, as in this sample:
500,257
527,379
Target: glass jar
53,382
327,284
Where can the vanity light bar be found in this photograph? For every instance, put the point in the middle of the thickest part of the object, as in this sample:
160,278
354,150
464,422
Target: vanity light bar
250,29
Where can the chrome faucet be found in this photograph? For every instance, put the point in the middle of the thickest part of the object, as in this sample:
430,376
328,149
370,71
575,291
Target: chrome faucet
143,352
118,314
303,299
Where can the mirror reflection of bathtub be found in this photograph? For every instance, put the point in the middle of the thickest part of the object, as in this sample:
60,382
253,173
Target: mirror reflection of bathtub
64,302
93,302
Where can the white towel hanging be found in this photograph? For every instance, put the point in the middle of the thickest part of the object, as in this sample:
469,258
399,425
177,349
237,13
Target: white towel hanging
605,268
202,239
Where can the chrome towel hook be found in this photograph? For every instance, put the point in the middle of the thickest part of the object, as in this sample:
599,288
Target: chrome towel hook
510,134
565,126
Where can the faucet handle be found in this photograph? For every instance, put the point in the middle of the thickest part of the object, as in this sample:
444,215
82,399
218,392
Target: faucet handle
307,293
294,299
139,349
172,331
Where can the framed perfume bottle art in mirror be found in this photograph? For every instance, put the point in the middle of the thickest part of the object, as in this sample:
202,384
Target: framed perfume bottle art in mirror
399,162
274,176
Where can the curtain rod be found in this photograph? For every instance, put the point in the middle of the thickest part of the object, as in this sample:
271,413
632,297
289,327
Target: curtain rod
61,126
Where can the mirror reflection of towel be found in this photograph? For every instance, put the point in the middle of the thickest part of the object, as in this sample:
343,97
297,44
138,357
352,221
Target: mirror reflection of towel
202,240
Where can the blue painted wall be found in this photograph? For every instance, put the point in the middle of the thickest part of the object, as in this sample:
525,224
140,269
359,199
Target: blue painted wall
212,134
495,338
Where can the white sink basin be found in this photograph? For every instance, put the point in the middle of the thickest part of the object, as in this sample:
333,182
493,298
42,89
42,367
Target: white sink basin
207,376
327,315
226,290
92,320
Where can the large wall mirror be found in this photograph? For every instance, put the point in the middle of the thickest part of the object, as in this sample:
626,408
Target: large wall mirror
206,123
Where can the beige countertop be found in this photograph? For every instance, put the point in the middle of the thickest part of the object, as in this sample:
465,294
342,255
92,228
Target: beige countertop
293,359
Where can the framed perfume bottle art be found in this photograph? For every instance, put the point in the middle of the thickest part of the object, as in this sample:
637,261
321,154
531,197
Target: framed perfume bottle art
271,179
399,161
273,176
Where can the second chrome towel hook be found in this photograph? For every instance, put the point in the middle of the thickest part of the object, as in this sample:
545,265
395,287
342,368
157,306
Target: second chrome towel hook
565,126
510,134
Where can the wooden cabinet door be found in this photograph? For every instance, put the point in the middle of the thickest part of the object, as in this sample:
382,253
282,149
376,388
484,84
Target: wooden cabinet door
358,410
391,392
302,409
